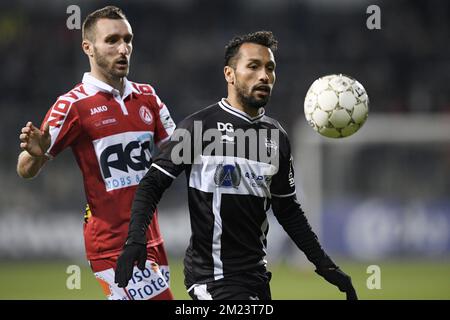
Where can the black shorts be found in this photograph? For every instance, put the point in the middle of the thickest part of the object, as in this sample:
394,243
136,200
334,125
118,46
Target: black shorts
250,285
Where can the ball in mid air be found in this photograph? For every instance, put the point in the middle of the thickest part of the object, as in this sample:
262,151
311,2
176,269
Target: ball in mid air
336,106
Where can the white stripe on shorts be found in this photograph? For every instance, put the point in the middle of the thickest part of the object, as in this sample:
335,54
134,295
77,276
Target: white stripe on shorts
201,292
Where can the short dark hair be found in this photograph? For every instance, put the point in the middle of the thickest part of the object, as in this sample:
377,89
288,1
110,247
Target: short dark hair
108,12
264,38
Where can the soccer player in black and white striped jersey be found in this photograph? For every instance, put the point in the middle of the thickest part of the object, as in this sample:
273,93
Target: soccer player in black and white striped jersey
238,164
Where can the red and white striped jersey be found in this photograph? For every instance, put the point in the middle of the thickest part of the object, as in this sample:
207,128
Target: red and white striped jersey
113,138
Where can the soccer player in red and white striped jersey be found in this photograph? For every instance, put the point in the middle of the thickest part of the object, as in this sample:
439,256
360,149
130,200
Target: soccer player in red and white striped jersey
112,126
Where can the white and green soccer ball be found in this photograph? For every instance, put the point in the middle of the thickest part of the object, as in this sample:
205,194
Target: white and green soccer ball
336,106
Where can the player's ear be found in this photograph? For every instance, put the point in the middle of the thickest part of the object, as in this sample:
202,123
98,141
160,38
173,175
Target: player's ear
229,74
88,48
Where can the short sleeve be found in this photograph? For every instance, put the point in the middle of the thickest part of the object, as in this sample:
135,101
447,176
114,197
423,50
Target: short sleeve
64,125
164,126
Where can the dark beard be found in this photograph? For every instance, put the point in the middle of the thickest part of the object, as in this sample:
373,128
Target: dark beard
249,100
103,64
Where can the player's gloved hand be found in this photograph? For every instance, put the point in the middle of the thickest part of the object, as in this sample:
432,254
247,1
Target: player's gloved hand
337,277
133,252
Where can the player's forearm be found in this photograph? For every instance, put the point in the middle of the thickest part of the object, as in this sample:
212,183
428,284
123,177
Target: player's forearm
291,216
28,166
148,194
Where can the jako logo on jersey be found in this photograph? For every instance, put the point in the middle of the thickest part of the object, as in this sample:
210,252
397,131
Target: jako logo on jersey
124,158
145,114
98,109
227,175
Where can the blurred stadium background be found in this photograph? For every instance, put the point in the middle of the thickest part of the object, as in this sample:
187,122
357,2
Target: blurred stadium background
381,197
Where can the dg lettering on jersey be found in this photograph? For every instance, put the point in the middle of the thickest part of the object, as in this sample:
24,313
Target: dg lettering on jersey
227,127
124,158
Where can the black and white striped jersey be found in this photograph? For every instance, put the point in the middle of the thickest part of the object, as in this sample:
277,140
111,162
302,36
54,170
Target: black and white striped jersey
236,167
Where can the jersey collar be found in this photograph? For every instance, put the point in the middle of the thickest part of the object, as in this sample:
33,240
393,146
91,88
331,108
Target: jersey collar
238,113
99,85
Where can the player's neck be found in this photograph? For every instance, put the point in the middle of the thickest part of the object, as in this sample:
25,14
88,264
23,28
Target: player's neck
116,83
235,103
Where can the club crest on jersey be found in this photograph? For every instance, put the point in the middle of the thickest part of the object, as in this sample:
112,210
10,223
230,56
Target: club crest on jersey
146,115
227,175
98,109
271,146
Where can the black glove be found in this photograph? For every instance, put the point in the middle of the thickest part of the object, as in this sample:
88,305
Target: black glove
337,277
124,269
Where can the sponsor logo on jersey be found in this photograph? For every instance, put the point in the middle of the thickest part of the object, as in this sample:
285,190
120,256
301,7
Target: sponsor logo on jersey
227,175
124,158
145,114
143,285
227,127
98,110
258,181
61,107
291,179
105,122
224,128
232,175
148,283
